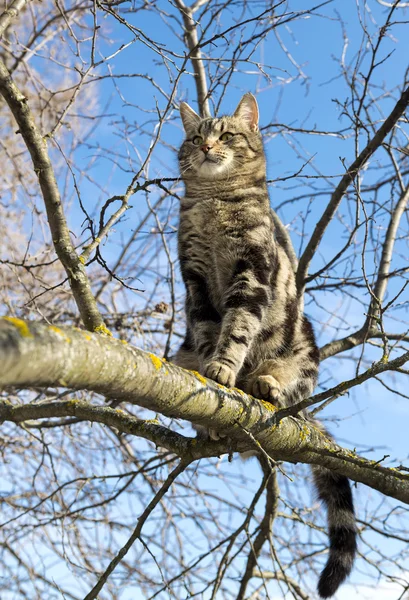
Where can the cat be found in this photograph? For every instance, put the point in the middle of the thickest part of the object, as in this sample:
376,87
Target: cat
245,325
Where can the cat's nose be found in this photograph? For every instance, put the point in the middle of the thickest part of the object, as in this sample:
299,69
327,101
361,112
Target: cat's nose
205,148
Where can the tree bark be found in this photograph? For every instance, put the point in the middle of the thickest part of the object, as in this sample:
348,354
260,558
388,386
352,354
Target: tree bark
36,355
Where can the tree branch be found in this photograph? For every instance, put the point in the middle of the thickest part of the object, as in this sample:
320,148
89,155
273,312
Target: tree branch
37,147
195,55
343,186
10,14
355,339
386,258
376,369
138,529
38,355
120,420
266,526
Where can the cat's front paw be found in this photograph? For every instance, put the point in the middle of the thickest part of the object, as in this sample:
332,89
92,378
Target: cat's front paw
266,387
221,373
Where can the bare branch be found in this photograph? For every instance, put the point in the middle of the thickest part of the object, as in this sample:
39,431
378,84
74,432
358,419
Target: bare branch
11,13
376,369
195,55
37,147
138,529
387,252
344,184
265,528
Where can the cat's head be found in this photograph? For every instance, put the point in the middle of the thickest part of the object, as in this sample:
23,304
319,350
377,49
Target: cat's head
217,148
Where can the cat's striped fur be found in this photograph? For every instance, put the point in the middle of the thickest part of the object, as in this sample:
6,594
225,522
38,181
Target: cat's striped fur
245,325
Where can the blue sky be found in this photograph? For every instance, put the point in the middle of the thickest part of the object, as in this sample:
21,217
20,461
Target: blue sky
313,102
370,418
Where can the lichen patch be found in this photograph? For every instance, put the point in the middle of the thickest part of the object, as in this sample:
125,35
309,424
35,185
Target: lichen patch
103,329
200,377
60,333
156,361
20,325
269,406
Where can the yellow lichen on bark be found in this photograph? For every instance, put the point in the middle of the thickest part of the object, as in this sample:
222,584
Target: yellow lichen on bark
103,329
20,325
59,332
304,433
269,406
199,377
156,361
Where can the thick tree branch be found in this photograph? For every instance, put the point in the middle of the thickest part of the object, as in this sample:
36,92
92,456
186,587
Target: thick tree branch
10,14
38,355
344,184
37,147
120,420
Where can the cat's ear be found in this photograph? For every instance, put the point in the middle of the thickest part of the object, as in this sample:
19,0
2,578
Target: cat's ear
247,111
190,119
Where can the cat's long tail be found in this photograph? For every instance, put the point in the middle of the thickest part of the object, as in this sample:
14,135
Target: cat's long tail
335,491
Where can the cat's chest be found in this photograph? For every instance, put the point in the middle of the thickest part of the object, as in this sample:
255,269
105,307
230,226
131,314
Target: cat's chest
212,238
214,230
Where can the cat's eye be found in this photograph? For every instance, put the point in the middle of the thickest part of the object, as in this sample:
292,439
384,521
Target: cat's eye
225,137
197,140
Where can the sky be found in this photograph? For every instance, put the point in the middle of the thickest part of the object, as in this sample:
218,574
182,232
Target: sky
310,96
370,416
311,101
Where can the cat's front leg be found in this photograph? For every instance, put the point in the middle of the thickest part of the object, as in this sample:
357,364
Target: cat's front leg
204,321
245,304
234,341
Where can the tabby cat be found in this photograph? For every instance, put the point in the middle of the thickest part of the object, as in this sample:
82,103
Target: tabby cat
245,325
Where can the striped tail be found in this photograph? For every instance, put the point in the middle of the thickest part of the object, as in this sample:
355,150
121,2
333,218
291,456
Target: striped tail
335,491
